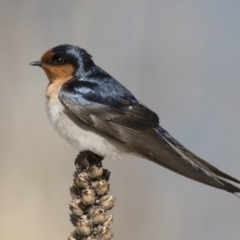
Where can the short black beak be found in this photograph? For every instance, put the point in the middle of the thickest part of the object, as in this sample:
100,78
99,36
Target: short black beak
36,63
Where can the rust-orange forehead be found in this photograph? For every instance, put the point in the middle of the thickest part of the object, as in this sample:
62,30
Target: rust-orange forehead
47,55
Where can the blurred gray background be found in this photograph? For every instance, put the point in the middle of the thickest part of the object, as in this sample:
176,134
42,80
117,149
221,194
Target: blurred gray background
181,58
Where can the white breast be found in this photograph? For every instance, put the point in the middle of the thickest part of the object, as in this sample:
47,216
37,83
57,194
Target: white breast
81,136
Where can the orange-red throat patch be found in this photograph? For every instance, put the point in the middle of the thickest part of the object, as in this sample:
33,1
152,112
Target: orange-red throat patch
57,74
62,73
54,73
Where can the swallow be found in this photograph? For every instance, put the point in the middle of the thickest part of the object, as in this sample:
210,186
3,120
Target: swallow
94,112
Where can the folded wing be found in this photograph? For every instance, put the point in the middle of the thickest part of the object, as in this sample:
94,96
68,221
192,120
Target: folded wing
138,129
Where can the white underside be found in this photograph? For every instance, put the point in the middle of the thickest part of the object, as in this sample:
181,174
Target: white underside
81,136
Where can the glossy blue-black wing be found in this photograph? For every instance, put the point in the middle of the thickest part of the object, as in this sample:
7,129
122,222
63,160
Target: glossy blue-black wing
137,129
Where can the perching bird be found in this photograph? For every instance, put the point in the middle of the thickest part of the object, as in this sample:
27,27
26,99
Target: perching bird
94,112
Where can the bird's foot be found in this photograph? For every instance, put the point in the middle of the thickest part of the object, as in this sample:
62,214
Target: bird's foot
85,158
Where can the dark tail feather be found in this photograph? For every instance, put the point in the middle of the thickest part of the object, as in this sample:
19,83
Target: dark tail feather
218,174
230,187
236,195
217,171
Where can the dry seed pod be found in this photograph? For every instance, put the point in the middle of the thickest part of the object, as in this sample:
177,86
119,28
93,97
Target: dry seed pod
88,196
101,187
105,234
97,215
106,175
71,237
74,191
84,227
108,220
95,171
82,162
82,180
84,217
106,202
91,238
75,202
74,206
98,230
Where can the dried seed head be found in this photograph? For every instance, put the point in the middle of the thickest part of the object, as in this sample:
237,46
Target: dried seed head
101,187
98,229
74,190
88,196
74,206
89,200
97,215
82,180
106,175
71,236
105,234
83,162
106,202
95,171
84,227
91,238
75,202
108,220
84,217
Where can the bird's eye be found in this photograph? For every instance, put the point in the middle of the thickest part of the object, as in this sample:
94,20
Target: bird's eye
58,60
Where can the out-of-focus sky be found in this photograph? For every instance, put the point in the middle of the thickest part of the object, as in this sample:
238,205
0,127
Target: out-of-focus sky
180,58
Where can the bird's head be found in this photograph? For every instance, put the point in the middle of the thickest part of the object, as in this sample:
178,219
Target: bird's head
65,62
